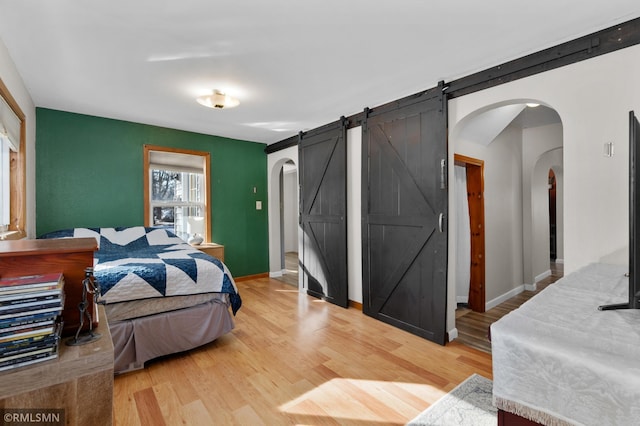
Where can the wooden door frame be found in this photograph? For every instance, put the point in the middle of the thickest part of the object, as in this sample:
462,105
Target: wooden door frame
553,232
475,195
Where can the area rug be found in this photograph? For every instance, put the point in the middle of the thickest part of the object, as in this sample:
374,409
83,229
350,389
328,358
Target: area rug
469,403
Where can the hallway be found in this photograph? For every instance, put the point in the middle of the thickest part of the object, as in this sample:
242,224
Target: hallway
290,273
474,326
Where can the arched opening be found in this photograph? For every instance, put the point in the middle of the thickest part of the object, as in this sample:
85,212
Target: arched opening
547,248
283,215
516,140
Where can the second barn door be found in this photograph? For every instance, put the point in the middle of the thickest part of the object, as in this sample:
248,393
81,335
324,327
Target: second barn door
404,230
322,157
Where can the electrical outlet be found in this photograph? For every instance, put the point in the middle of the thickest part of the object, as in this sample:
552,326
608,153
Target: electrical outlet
258,205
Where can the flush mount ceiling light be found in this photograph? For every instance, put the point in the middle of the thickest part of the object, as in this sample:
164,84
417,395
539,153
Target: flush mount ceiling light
218,99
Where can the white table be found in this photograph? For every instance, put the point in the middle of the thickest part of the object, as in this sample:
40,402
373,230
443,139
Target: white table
559,360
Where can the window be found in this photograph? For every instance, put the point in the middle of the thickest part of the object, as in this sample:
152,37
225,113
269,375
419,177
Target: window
176,191
12,167
5,179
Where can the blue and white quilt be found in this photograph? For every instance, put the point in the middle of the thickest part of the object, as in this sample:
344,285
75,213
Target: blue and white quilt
140,263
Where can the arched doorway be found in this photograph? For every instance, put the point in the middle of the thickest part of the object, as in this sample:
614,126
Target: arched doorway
511,138
547,226
283,213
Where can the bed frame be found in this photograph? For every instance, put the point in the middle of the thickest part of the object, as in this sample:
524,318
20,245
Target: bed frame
181,297
138,340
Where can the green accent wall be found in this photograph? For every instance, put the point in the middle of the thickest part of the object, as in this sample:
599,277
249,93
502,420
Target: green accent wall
89,173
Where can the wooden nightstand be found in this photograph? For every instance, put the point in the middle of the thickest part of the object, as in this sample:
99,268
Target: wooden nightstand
212,249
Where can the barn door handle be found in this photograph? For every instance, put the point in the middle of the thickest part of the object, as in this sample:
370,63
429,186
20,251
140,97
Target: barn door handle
440,220
443,169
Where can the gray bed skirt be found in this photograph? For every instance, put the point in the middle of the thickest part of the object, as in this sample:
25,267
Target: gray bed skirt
138,340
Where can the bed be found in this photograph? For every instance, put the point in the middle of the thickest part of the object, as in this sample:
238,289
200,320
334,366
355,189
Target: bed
161,295
558,360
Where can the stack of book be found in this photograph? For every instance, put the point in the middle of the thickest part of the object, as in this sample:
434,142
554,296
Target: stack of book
30,319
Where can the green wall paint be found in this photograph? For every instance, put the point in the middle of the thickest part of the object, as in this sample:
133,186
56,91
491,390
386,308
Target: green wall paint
89,173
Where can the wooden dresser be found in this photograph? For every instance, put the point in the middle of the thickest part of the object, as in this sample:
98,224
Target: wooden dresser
79,382
67,255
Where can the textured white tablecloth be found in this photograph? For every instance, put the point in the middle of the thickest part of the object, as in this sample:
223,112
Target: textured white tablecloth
559,360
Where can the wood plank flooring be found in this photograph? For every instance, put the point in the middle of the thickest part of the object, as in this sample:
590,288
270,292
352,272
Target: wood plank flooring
294,359
290,273
473,326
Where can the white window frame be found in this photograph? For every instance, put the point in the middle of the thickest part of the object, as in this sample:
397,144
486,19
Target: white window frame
5,184
170,160
190,178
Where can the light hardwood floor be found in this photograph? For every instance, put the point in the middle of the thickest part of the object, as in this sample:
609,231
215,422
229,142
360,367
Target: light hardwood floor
293,359
473,327
290,273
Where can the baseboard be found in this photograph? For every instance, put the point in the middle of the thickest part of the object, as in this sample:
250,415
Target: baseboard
276,274
356,305
516,291
462,299
543,275
503,298
251,277
453,334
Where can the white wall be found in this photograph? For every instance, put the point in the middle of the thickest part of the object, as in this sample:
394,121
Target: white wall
290,207
541,148
559,210
354,213
593,99
540,239
503,212
275,162
517,162
13,81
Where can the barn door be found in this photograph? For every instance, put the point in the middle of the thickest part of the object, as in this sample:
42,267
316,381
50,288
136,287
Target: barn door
404,214
322,156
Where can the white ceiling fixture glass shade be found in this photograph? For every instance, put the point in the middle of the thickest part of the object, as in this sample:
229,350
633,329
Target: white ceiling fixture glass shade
218,99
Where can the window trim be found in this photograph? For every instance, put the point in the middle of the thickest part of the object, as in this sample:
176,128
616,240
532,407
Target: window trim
18,174
207,178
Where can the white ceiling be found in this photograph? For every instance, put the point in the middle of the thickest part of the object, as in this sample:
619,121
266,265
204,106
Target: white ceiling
484,127
293,64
